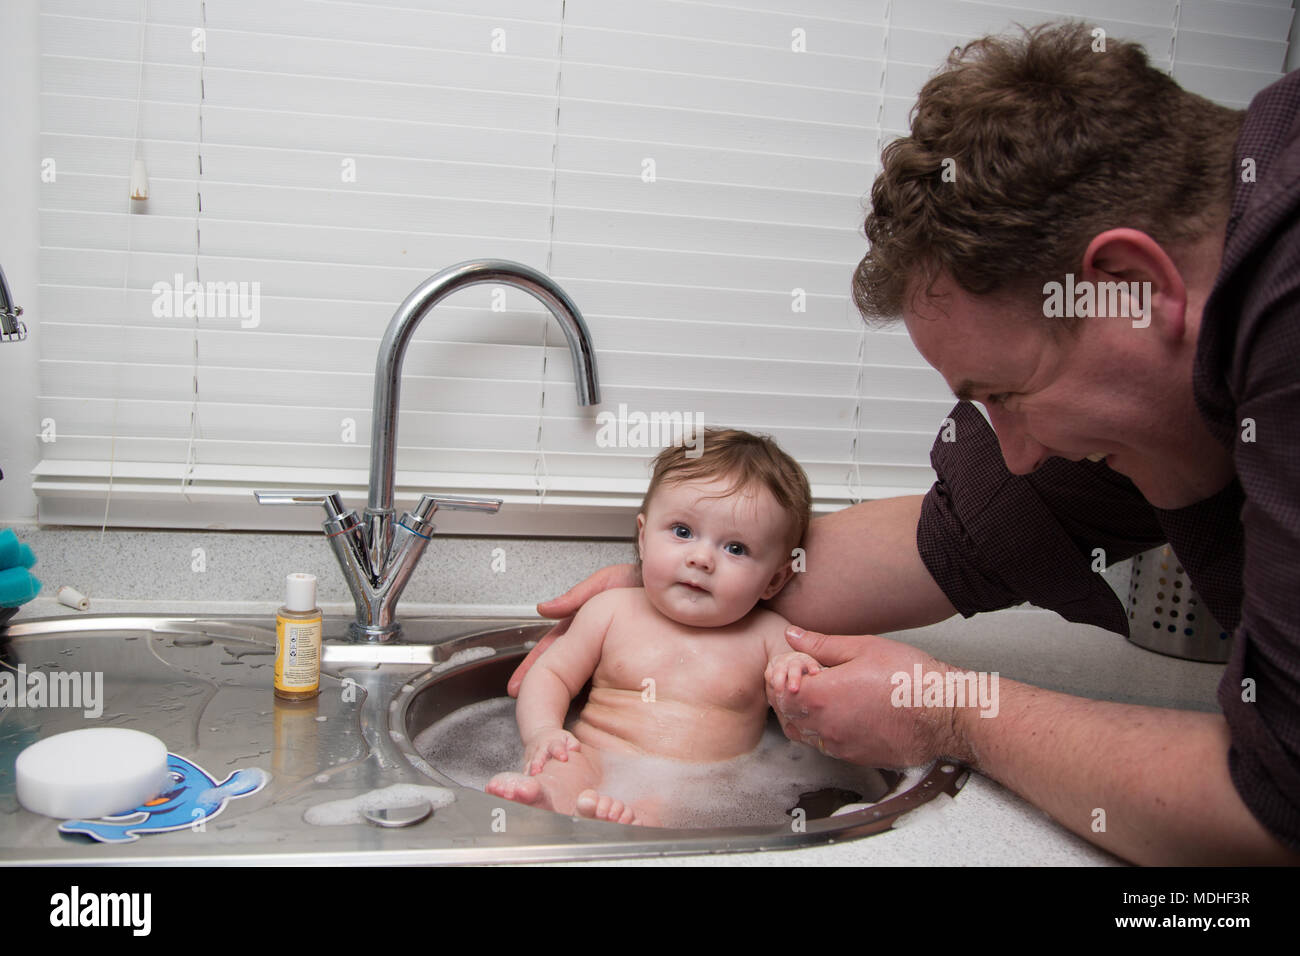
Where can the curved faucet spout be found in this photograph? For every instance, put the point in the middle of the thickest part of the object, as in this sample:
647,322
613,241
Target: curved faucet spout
392,350
379,554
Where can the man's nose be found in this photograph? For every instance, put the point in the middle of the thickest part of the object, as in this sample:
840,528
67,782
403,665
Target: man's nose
1021,452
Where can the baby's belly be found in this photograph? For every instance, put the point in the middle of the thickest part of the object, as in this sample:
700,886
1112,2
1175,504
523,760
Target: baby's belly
620,720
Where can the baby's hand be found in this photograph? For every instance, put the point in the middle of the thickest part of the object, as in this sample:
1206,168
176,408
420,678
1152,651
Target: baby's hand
785,671
545,745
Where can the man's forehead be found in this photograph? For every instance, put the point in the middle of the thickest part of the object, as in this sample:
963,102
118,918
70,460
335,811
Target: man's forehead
974,342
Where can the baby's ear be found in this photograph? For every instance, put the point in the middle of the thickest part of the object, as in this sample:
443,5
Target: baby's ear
780,578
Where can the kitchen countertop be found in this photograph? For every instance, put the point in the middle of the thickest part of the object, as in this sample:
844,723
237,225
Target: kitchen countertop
1025,644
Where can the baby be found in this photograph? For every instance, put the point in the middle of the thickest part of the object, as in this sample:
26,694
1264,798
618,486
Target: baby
677,667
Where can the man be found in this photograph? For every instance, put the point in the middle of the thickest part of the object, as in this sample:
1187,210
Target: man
1158,399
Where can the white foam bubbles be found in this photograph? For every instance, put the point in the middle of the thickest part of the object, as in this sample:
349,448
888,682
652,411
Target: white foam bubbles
461,657
474,743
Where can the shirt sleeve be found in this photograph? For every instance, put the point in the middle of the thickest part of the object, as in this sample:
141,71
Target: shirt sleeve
991,539
1260,690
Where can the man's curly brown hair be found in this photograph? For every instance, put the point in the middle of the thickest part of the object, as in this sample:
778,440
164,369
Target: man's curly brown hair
1052,143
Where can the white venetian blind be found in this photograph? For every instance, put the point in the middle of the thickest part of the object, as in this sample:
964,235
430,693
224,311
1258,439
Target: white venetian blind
693,174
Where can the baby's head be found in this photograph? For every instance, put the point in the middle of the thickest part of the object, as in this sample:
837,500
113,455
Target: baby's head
716,532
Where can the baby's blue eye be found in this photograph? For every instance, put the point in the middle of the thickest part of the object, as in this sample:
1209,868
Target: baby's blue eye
735,548
685,532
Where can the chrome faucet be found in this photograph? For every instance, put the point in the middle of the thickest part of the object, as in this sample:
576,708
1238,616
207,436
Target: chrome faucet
378,554
11,330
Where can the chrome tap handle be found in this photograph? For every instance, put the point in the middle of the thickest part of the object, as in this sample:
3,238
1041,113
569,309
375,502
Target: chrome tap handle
11,330
332,502
420,520
431,503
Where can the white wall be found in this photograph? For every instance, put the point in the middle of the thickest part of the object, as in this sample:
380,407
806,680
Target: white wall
1292,54
19,240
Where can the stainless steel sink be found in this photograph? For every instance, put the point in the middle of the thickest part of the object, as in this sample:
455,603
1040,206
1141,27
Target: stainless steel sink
204,686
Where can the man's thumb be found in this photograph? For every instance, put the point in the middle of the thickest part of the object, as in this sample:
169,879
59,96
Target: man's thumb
828,649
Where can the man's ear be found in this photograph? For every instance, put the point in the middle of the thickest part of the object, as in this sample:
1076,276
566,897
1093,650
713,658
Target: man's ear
780,578
1133,258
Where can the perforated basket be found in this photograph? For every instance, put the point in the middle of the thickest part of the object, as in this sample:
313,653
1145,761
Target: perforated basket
1166,616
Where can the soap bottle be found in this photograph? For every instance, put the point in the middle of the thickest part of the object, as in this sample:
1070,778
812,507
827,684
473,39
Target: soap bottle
299,628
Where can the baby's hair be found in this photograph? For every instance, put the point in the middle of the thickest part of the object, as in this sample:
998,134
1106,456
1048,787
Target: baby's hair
751,460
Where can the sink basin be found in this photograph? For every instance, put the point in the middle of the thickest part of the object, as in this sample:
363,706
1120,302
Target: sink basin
203,685
472,671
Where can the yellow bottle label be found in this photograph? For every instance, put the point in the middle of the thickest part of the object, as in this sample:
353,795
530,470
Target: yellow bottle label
297,653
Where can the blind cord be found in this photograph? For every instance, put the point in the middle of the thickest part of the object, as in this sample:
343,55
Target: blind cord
188,471
541,474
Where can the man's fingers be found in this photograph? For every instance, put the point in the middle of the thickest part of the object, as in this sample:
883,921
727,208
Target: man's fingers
567,604
828,649
517,678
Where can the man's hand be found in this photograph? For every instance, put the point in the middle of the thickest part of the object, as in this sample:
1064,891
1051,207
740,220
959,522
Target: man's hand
566,605
845,710
1161,776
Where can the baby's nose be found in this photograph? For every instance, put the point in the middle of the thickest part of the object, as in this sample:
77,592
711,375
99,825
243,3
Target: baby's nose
701,558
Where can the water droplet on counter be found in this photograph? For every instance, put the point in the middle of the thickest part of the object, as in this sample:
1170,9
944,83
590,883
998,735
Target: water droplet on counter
191,640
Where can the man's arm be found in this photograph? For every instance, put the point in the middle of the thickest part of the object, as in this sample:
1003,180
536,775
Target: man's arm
1160,776
1157,779
864,573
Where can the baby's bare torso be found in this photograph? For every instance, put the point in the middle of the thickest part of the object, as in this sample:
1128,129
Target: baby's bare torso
686,693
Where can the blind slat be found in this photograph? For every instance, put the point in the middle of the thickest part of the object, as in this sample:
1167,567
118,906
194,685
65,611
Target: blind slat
693,174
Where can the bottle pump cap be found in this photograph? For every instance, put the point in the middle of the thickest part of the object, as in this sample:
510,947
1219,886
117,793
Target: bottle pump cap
300,592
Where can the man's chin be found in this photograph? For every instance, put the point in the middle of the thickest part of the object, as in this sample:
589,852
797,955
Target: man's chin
1160,493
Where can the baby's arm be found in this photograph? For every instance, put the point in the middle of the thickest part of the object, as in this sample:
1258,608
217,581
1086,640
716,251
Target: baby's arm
785,668
556,678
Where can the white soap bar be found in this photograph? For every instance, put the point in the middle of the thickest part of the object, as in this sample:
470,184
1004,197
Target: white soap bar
91,773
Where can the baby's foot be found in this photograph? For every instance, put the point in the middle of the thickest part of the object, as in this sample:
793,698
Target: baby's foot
601,806
518,787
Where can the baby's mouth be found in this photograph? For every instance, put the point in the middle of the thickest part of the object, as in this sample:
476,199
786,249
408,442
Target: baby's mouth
693,587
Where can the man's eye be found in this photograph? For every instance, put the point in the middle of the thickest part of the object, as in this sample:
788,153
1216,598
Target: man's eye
735,548
680,530
997,399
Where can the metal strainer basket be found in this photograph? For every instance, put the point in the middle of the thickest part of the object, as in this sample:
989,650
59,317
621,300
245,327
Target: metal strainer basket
1166,616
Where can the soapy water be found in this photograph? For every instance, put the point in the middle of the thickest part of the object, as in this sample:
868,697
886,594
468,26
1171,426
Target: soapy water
463,657
474,743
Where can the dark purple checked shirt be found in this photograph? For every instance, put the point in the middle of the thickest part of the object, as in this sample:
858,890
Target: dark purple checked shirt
992,539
